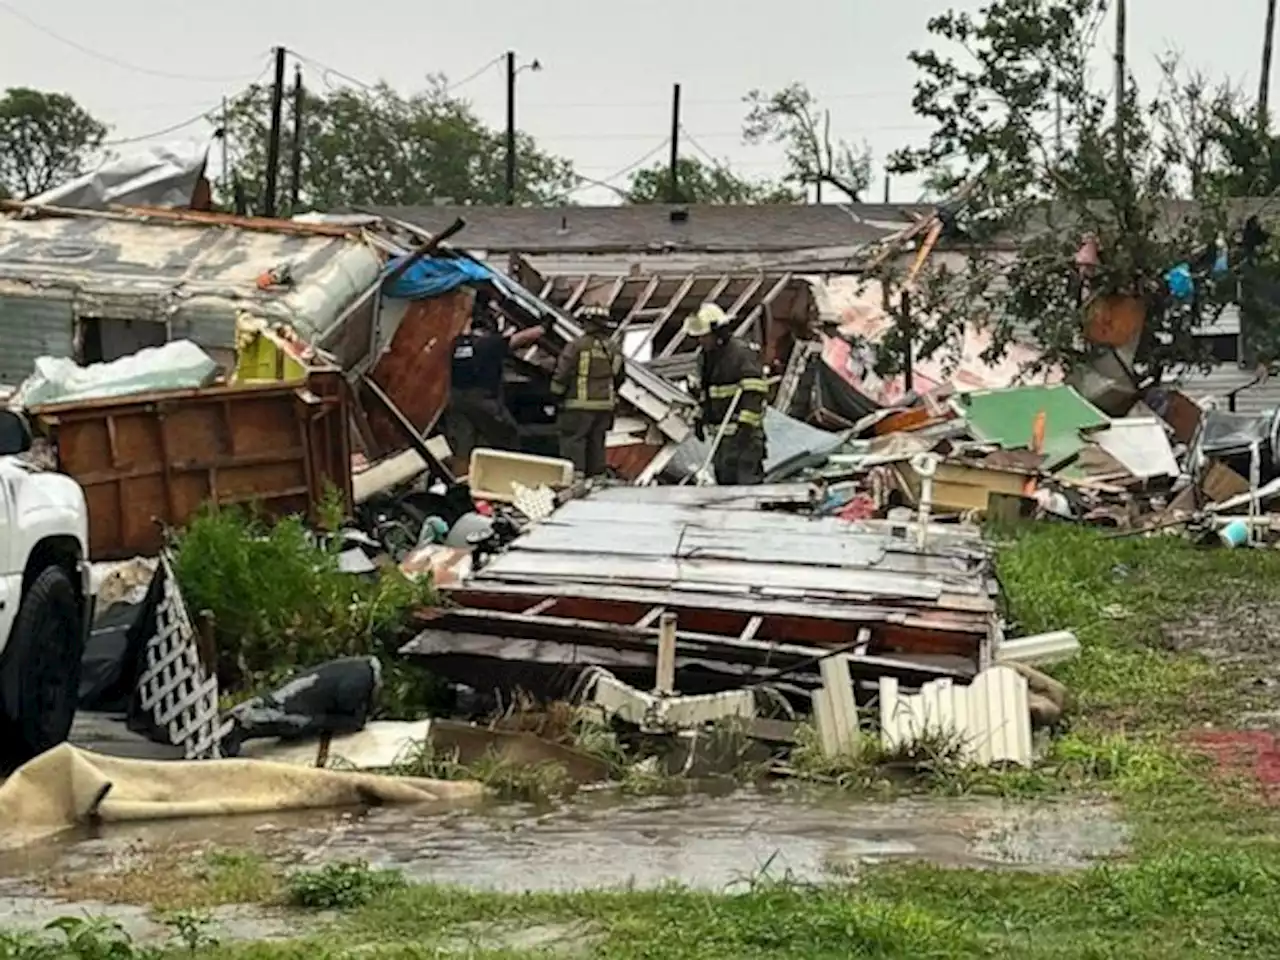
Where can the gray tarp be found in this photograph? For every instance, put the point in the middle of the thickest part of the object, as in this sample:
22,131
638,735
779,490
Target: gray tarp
160,176
785,438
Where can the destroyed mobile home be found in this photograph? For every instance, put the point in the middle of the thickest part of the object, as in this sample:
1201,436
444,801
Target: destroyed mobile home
285,367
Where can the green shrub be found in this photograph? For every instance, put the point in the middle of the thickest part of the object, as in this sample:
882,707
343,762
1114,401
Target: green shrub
342,886
280,602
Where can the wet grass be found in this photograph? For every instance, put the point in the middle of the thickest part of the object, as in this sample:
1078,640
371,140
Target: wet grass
1203,880
179,881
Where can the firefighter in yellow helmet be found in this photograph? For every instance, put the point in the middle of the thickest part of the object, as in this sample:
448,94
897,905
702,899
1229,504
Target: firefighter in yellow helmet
729,370
587,379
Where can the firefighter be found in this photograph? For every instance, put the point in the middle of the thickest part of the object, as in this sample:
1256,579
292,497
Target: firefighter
729,369
477,414
587,380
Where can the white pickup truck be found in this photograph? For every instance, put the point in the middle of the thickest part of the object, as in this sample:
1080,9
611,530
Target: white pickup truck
46,603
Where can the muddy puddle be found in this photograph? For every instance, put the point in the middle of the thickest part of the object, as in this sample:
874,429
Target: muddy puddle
596,841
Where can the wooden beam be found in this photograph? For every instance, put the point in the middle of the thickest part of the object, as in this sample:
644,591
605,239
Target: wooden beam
763,305
669,310
650,289
666,672
651,617
577,294
541,606
615,291
716,292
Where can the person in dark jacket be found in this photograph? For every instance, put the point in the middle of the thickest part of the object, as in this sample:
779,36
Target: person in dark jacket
477,414
731,387
587,379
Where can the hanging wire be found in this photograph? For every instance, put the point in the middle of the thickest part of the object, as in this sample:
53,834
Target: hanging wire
109,58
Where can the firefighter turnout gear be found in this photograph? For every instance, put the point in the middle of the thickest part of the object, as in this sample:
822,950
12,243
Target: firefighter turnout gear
708,319
730,371
587,379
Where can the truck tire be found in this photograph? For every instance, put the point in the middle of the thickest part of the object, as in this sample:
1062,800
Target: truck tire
40,677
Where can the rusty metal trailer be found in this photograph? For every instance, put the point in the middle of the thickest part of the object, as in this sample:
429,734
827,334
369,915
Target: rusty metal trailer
149,461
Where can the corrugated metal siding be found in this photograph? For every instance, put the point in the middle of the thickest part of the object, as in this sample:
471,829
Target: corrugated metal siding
31,328
990,718
1221,380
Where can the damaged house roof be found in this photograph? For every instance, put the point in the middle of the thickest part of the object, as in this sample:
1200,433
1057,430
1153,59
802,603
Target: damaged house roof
666,227
192,272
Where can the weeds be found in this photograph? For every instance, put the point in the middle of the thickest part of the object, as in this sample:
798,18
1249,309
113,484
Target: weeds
181,883
97,938
281,602
508,779
341,886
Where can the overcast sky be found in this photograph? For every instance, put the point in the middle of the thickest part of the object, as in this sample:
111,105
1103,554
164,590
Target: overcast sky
603,97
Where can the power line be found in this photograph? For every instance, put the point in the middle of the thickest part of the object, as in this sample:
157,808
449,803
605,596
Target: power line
478,72
633,165
202,115
108,58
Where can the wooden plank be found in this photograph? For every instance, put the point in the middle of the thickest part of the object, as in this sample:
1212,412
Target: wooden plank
716,292
651,617
666,672
763,305
668,311
637,308
623,636
752,628
837,684
578,291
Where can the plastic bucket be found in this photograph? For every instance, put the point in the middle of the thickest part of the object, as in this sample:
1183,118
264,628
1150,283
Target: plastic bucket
1235,533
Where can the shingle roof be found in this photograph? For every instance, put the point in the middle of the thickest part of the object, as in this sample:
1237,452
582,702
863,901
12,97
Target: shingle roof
650,227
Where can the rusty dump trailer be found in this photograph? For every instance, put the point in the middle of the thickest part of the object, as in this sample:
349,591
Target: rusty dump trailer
149,461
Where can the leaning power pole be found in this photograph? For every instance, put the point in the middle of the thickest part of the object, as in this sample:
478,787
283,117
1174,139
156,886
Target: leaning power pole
295,148
674,186
273,140
1264,86
511,128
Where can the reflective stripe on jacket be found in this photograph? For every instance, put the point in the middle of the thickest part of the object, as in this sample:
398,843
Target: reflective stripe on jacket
589,374
727,369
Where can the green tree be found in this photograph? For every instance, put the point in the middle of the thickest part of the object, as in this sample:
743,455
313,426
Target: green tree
378,146
791,117
705,183
1042,155
45,139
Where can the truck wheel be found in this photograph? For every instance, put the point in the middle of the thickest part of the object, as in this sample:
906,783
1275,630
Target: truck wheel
41,674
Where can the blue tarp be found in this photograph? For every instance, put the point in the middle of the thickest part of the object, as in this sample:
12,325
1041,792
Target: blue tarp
434,277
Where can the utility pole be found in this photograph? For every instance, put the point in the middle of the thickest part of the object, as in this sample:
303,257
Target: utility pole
226,135
886,188
674,196
1121,27
1264,87
511,128
273,140
295,158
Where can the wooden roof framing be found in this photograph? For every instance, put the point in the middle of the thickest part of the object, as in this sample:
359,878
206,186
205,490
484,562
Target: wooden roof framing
660,302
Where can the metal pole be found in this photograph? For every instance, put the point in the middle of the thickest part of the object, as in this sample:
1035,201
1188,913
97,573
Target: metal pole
674,196
1264,86
273,140
886,188
511,128
295,160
